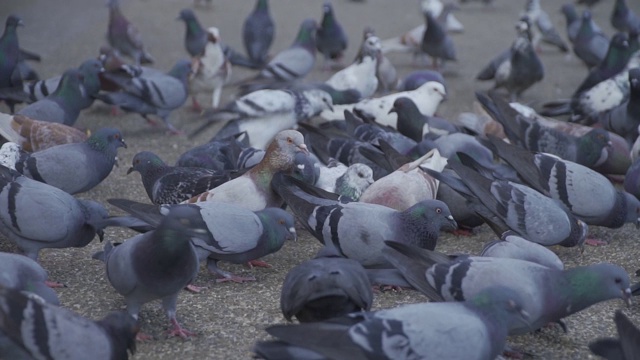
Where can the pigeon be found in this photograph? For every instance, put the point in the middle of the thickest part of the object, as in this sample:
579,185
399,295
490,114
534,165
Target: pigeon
512,246
567,182
416,78
443,12
63,334
157,264
75,168
410,122
408,185
38,216
589,150
573,21
517,69
166,184
623,18
351,181
195,39
624,119
9,154
386,72
331,39
90,71
63,105
474,329
10,49
34,135
295,62
324,287
211,71
357,230
253,190
153,92
218,155
544,29
361,75
506,205
123,36
591,43
258,31
613,62
436,43
626,347
232,233
22,273
548,294
264,113
427,97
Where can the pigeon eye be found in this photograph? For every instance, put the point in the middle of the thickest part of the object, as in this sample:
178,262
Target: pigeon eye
438,210
360,174
290,140
618,280
281,221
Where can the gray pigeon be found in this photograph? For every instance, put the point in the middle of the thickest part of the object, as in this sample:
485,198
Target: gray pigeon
512,246
258,32
436,42
123,36
264,113
544,29
625,347
89,70
223,154
195,38
591,44
153,92
62,334
296,61
37,216
232,233
572,19
331,40
324,287
584,192
474,329
623,18
10,50
632,179
548,294
77,167
157,264
510,206
63,105
22,273
166,184
357,230
589,150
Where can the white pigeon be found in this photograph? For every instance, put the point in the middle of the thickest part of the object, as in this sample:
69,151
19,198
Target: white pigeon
9,154
211,71
361,75
427,98
350,180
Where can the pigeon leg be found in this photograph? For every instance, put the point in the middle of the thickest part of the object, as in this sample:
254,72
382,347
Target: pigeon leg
54,284
177,330
150,120
143,337
194,289
257,263
224,276
115,111
595,242
195,105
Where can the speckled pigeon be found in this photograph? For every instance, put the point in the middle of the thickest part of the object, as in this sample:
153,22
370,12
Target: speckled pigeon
357,230
153,92
325,287
157,264
548,294
474,329
75,168
61,333
63,105
258,31
123,36
37,216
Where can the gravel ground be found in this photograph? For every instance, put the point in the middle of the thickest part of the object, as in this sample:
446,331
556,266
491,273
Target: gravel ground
229,318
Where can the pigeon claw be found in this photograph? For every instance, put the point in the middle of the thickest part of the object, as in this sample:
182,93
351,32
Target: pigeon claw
179,331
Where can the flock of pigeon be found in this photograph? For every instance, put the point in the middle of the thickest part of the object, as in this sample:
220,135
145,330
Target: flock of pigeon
361,161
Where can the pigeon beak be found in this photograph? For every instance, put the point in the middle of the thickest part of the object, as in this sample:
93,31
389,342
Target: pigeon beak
392,110
123,144
292,230
20,23
303,148
452,222
131,169
626,296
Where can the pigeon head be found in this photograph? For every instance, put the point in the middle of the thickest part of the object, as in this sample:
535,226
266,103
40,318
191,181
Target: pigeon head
307,35
144,162
404,105
186,15
106,139
319,100
371,46
304,168
213,35
90,71
586,16
12,22
593,148
280,225
425,220
501,303
595,283
122,329
181,71
262,5
569,12
354,181
70,83
434,89
281,152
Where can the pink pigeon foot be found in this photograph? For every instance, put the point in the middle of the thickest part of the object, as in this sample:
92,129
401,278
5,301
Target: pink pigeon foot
178,330
54,284
595,242
194,289
142,337
235,278
257,263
